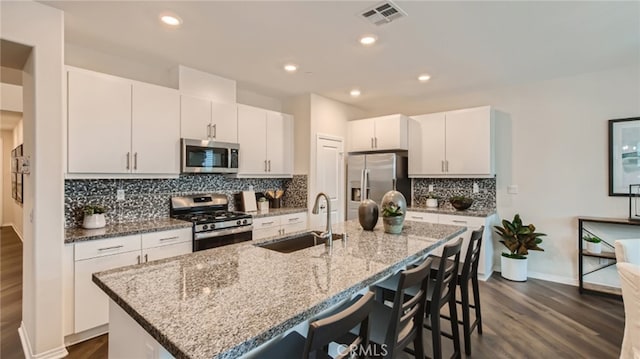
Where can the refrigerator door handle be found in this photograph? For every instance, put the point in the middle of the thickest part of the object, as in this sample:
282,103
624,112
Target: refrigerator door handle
364,182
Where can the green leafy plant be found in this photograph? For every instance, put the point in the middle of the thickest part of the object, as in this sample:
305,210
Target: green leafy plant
592,239
93,209
391,210
262,199
518,238
431,195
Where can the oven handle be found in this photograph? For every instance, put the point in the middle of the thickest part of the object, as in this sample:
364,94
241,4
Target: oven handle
221,232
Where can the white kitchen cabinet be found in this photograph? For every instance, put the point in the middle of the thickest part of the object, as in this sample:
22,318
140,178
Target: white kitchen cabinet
90,304
378,134
452,144
208,120
155,125
120,126
485,261
266,143
265,227
99,123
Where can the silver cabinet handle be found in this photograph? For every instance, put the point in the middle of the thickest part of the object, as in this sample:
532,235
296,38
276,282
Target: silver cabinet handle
215,131
109,248
269,165
294,219
135,161
209,131
372,142
442,166
146,258
456,221
168,238
376,142
416,217
139,260
265,165
267,223
128,160
446,166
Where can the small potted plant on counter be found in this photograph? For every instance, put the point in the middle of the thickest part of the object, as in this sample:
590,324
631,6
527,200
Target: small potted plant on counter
594,244
94,217
432,200
519,239
392,218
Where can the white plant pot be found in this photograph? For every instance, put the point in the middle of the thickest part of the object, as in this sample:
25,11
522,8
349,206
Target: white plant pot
94,221
432,202
594,247
514,269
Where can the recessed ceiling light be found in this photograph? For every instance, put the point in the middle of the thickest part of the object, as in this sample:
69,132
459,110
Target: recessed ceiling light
290,67
171,20
368,40
424,78
354,93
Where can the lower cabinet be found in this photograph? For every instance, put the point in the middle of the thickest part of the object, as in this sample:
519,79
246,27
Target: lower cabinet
91,305
485,262
272,226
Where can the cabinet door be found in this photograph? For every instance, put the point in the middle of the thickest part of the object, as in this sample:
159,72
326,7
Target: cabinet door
224,122
361,135
426,144
195,118
252,129
99,123
171,250
422,217
468,142
155,130
277,138
266,232
91,303
390,133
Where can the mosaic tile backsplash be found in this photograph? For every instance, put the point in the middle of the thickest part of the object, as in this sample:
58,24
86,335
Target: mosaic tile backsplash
149,198
444,188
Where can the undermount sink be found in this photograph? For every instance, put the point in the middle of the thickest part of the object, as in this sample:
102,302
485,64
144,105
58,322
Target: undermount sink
297,242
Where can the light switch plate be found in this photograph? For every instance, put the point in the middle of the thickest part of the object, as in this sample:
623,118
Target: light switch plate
512,189
476,188
120,195
430,188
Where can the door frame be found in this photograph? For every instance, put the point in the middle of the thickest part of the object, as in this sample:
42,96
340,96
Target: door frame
341,185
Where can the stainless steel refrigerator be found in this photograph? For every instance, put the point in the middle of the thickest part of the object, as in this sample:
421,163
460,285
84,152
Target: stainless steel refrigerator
379,172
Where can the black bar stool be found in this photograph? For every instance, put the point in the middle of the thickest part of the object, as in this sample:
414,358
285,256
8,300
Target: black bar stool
468,272
324,331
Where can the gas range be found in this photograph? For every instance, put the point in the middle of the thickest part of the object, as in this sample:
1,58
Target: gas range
213,224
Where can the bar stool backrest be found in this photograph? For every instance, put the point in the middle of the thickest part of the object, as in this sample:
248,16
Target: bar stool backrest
447,278
470,265
327,330
408,311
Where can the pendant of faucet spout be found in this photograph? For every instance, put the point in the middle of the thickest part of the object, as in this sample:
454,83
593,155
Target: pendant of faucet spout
316,209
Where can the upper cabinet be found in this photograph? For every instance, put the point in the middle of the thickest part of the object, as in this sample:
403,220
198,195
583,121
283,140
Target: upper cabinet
266,143
452,144
208,120
118,126
384,133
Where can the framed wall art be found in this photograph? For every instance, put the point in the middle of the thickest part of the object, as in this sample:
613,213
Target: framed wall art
624,155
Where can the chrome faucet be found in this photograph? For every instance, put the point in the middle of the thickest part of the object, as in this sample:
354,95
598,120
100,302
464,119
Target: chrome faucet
327,235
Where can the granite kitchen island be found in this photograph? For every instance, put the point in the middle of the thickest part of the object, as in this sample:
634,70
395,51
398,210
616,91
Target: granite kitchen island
224,302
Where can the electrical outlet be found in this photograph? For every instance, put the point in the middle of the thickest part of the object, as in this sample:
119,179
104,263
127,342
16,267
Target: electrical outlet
430,188
512,189
476,188
120,195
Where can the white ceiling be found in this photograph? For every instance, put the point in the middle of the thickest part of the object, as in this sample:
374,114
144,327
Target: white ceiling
465,46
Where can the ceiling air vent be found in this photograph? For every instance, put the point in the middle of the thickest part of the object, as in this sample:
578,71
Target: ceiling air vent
383,13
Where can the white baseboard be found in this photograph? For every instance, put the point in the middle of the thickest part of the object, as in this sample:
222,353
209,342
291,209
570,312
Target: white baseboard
485,277
55,353
86,335
553,278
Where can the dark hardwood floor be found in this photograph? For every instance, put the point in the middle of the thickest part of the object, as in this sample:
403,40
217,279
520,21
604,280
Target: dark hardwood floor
10,294
534,319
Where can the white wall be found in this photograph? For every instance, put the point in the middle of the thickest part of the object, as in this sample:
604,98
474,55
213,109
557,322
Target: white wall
252,98
558,140
11,210
299,107
41,329
10,97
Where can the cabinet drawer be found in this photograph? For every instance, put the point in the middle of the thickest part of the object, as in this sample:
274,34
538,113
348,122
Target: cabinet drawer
266,232
106,247
293,218
422,217
266,222
471,222
156,239
295,227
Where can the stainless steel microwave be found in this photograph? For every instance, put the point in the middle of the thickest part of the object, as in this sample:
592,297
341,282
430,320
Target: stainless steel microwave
203,156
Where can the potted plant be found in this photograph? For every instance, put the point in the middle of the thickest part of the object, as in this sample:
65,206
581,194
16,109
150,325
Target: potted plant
432,200
94,217
519,239
594,244
392,218
263,205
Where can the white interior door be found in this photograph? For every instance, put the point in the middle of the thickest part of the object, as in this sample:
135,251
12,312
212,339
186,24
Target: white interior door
329,178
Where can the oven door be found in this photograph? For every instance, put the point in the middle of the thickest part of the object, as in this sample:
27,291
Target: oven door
221,237
202,156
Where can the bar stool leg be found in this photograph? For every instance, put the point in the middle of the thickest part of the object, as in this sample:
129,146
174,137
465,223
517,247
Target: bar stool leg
434,317
453,313
476,302
466,320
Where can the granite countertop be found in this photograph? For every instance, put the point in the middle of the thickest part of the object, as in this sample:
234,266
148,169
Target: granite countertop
277,212
481,212
122,229
223,302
